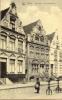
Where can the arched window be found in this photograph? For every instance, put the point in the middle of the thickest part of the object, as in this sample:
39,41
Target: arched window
35,66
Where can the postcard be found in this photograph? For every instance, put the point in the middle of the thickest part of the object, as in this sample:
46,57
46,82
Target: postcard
31,49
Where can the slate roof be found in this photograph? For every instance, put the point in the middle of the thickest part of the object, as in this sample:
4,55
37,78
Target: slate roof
28,28
50,36
3,12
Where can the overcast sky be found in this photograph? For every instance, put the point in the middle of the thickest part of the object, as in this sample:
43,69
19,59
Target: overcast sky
48,11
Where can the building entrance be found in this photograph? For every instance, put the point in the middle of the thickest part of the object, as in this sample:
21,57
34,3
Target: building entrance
2,69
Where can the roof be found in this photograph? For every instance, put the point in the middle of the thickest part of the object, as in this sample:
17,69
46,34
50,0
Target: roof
28,28
50,36
3,12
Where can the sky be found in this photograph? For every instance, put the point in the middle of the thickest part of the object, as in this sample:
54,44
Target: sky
48,11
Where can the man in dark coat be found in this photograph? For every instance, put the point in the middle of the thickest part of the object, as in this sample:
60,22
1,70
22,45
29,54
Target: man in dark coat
37,85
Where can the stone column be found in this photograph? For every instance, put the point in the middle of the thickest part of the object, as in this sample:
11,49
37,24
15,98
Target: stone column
16,45
0,69
23,66
16,66
8,66
58,65
8,45
24,47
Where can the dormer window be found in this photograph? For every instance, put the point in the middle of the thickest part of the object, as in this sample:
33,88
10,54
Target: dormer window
12,22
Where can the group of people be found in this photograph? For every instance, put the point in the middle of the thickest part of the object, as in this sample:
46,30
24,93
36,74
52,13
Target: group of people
37,85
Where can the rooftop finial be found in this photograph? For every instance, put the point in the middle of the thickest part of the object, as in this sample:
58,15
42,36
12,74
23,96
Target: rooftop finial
13,5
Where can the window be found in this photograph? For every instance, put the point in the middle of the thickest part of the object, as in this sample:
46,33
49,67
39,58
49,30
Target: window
3,42
12,65
12,23
47,57
5,23
31,54
37,37
31,47
42,49
12,44
20,66
20,46
37,54
39,28
42,56
35,68
42,38
42,65
51,69
37,48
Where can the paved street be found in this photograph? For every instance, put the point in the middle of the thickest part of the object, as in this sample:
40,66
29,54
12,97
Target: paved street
28,93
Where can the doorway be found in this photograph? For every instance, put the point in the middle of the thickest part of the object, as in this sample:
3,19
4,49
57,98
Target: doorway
2,69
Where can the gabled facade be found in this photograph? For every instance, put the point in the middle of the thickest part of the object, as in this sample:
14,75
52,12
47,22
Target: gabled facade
37,51
12,45
60,59
53,54
26,51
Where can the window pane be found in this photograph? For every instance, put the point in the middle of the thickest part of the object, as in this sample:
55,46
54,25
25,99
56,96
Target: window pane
3,42
12,65
12,44
20,46
20,65
12,23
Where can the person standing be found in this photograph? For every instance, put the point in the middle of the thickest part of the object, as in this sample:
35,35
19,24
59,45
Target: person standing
37,85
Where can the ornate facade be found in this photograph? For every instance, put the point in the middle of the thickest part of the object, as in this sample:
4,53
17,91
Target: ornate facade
53,54
12,45
37,50
26,51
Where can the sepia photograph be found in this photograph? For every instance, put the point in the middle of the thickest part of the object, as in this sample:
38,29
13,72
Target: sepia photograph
31,49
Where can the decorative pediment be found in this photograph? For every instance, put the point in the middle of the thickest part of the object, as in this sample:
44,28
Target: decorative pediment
3,54
12,55
19,57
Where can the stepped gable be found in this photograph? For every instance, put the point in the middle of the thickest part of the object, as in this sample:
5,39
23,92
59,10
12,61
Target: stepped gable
3,12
